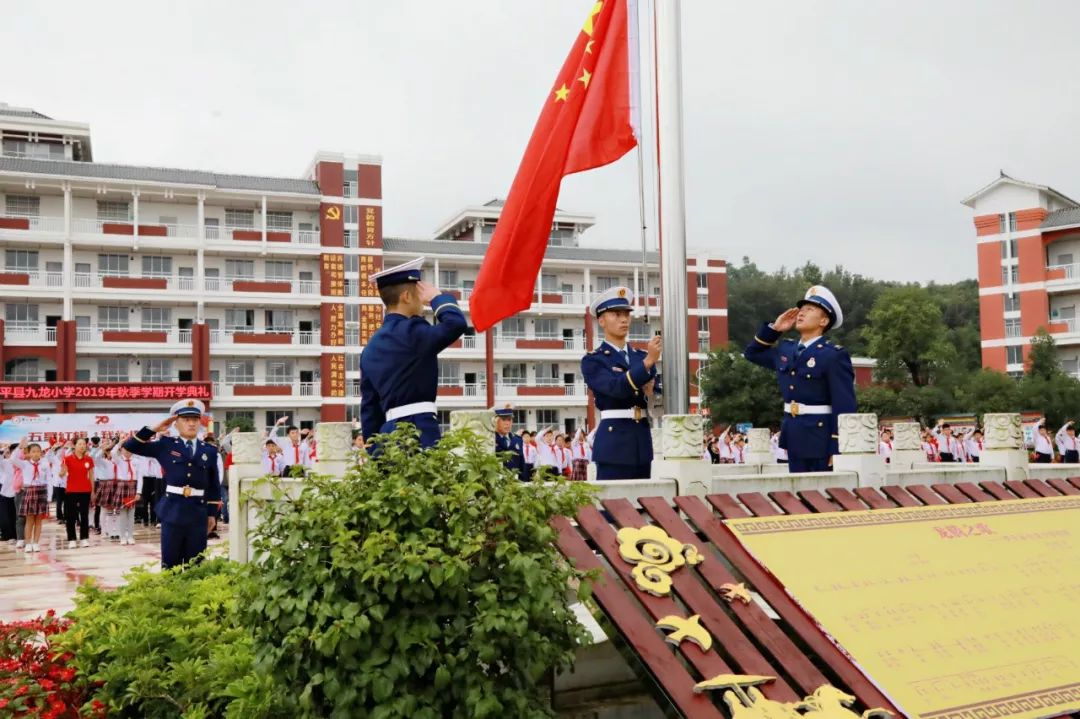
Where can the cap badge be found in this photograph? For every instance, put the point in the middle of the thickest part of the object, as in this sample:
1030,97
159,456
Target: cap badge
813,291
622,293
811,362
191,403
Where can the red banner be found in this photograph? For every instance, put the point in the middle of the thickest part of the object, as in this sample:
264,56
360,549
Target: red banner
109,391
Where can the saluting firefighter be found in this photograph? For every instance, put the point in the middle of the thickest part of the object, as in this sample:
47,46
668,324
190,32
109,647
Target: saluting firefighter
816,378
505,441
622,380
399,368
192,484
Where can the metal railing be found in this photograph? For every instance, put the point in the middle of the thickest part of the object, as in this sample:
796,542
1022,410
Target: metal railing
1072,271
225,234
37,278
468,342
147,228
226,284
1013,330
228,336
298,389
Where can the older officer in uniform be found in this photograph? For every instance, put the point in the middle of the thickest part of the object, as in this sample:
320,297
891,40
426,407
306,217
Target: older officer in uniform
622,379
816,378
505,441
190,470
399,370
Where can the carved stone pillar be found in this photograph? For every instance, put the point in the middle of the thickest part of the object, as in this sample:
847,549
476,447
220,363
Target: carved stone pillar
680,457
334,448
858,449
1003,445
480,422
760,450
246,465
907,445
682,436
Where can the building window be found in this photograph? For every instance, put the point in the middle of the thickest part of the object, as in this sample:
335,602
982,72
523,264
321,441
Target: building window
351,214
1009,249
349,188
352,238
240,414
279,270
239,320
1008,274
352,362
514,373
113,318
157,370
20,260
240,269
448,278
279,221
113,265
703,343
1012,223
547,373
240,372
156,319
449,373
547,418
279,372
703,324
1012,303
1070,366
512,328
243,219
443,416
22,206
156,266
280,320
549,284
352,313
22,370
1012,328
21,316
561,237
113,211
546,328
82,375
1014,354
112,369
702,281
605,282
352,263
521,419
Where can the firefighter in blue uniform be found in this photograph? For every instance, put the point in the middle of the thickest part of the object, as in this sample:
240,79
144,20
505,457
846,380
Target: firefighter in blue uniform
816,378
399,369
622,379
506,441
189,468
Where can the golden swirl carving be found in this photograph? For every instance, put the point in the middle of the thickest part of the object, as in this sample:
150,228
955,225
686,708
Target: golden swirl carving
656,555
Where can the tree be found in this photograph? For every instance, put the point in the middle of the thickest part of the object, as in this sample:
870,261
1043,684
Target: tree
1042,359
736,390
990,391
242,421
907,336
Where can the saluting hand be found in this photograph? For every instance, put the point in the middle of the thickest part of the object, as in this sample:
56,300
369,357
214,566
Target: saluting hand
786,320
164,424
427,292
654,348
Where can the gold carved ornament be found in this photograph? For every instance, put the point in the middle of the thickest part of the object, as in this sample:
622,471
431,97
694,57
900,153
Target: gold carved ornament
655,556
745,701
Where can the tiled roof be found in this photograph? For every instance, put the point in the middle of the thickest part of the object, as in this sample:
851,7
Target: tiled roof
1062,218
136,173
447,247
21,112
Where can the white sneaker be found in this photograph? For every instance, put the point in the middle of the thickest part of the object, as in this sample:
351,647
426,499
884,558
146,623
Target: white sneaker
85,543
31,547
19,544
71,544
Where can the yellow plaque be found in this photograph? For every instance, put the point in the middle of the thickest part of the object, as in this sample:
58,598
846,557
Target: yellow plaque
955,612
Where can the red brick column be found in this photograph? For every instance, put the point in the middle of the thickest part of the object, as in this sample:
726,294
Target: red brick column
66,337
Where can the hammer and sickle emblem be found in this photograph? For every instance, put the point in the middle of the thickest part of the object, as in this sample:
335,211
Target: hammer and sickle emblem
333,212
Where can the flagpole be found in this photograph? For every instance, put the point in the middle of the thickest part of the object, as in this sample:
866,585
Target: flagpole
669,140
644,294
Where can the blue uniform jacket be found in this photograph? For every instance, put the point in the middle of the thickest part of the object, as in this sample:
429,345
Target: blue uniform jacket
399,366
821,375
615,385
516,462
179,469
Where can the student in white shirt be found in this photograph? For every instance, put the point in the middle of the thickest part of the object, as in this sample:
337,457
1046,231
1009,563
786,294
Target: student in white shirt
7,497
546,456
973,443
947,444
1044,450
129,485
885,446
778,452
36,481
1066,443
273,461
294,450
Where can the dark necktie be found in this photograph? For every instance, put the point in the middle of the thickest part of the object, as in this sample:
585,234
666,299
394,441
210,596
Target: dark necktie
799,350
191,448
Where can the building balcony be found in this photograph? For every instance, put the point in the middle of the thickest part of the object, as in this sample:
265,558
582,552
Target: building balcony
275,285
272,388
541,388
32,223
91,227
536,343
270,336
254,234
28,334
15,277
1062,278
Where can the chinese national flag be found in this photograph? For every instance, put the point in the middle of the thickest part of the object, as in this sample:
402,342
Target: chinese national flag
585,123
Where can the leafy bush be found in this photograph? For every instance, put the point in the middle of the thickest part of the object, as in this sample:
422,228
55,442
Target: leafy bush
169,644
426,584
36,677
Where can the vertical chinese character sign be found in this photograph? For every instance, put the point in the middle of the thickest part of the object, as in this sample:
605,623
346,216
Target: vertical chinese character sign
371,317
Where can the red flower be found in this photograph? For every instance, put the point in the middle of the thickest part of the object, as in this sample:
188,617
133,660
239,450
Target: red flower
3,703
47,684
67,674
21,690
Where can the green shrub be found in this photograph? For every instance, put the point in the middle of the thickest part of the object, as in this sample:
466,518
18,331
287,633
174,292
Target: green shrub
169,644
424,585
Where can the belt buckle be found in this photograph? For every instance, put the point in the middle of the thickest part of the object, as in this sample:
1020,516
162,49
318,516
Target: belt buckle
637,414
187,490
794,409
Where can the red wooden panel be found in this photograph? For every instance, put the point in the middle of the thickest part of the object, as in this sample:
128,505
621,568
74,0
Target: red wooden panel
973,492
874,499
951,494
789,503
1042,488
726,505
847,501
757,623
647,643
998,491
1063,486
777,597
1075,481
596,527
900,495
757,504
698,600
818,501
1020,489
925,495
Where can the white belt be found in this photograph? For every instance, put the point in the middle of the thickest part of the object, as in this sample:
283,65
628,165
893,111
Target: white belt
636,414
408,410
795,409
186,491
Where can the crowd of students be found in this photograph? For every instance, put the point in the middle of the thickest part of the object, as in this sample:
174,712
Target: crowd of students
731,447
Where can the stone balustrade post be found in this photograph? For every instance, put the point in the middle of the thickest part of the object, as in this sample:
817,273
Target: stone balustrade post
760,446
907,445
333,441
858,449
681,439
480,422
246,465
1003,445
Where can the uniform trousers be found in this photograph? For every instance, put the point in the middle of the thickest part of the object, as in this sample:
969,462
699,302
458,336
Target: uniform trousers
77,506
58,495
1041,458
7,518
622,471
20,520
181,543
808,464
1072,456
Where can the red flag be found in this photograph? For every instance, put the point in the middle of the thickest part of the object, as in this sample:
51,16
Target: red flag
585,123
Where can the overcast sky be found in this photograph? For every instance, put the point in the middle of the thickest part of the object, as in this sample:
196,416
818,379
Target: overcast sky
837,132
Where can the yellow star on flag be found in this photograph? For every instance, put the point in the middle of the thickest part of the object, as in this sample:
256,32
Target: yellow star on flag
588,46
588,29
562,93
585,77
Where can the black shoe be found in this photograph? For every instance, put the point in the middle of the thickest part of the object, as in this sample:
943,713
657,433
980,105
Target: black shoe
213,535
